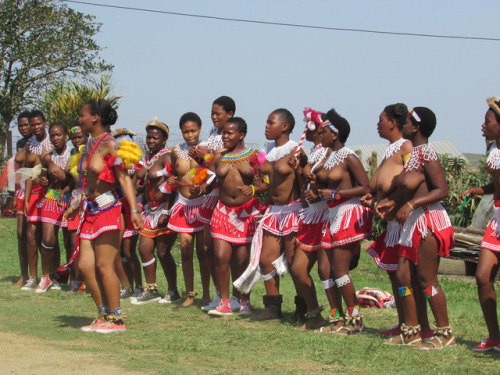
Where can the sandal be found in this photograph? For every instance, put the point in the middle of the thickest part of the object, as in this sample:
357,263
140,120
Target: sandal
334,324
353,325
409,336
443,337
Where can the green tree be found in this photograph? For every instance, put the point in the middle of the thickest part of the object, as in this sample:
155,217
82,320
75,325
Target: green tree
62,102
42,43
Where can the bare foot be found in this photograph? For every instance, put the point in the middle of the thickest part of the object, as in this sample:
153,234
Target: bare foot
313,323
19,283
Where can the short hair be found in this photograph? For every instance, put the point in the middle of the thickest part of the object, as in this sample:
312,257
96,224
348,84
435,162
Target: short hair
240,124
340,123
104,110
427,121
59,124
36,113
189,116
23,114
226,103
397,112
286,116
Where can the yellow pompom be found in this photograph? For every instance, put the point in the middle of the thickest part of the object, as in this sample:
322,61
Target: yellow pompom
75,161
129,152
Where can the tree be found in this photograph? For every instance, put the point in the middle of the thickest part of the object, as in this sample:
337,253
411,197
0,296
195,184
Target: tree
62,102
42,43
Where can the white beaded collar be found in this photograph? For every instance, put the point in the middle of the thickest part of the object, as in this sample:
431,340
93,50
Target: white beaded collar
274,153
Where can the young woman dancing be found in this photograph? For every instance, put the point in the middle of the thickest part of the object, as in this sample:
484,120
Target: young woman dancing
427,232
102,169
234,220
489,259
348,222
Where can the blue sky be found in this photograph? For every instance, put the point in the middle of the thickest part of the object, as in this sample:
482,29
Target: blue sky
167,65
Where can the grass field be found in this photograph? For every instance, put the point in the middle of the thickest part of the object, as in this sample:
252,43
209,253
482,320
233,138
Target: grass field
162,340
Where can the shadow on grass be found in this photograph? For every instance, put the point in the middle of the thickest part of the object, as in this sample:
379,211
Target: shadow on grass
11,279
73,321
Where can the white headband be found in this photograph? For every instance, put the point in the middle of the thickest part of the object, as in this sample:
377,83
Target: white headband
331,126
415,116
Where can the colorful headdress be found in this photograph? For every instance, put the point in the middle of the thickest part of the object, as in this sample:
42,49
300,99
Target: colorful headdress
493,103
312,118
154,123
75,129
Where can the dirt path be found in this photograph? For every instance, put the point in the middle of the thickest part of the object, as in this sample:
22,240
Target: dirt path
25,355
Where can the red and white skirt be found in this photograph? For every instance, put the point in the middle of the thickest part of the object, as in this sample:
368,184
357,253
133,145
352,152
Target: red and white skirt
97,222
311,226
35,212
235,224
348,221
491,239
208,206
184,215
150,215
52,213
283,220
385,249
20,201
417,225
130,231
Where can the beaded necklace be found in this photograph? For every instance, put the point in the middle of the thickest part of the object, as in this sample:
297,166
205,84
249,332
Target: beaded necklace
36,147
61,160
393,148
214,141
94,146
493,160
182,151
419,155
238,157
337,157
149,162
274,153
318,153
100,142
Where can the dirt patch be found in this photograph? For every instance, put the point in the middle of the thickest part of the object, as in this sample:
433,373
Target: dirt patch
33,356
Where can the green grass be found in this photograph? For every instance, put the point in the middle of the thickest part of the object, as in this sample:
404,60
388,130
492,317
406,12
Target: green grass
161,339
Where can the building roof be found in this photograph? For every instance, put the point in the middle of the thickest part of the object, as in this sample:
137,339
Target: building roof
365,151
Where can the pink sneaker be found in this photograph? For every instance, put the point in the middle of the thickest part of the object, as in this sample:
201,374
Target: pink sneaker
245,308
93,326
486,345
110,327
222,310
44,284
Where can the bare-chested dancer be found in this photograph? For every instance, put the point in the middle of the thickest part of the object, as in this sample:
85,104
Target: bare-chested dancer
157,198
38,145
23,126
385,249
278,228
234,220
184,213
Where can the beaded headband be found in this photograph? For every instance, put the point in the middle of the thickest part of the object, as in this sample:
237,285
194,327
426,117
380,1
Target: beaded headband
492,102
415,115
330,125
75,129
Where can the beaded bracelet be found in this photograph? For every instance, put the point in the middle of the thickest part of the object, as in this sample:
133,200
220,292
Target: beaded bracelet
132,211
253,190
409,204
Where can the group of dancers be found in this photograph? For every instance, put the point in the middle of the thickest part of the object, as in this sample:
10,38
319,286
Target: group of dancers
108,196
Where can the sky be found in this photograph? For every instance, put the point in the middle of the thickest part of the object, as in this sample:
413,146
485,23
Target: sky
167,65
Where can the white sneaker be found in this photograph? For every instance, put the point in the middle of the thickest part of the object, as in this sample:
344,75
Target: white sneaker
31,284
55,285
212,305
234,304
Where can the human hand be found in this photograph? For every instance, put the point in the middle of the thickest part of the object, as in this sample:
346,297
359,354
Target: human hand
367,200
246,190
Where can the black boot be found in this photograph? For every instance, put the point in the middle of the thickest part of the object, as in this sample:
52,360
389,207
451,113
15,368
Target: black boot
272,309
299,315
